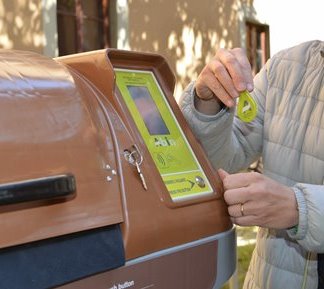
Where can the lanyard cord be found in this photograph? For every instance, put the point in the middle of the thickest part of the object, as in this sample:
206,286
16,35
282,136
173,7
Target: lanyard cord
305,270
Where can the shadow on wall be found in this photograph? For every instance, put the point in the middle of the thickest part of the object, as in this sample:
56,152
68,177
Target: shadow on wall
187,33
21,24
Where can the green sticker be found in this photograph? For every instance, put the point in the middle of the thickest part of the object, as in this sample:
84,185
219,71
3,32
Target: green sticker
247,108
176,162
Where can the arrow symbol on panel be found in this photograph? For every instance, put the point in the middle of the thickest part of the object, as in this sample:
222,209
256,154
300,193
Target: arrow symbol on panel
192,184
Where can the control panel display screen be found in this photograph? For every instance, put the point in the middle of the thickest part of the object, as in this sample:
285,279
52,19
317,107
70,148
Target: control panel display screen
148,110
176,162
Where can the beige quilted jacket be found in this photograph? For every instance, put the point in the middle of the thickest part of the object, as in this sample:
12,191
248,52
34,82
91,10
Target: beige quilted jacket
289,135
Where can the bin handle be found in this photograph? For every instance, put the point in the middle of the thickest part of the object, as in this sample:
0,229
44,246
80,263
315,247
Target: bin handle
46,188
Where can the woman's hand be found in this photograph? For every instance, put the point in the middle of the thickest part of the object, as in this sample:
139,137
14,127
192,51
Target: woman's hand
256,200
225,76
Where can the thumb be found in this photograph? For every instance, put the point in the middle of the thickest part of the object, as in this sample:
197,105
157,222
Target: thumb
222,174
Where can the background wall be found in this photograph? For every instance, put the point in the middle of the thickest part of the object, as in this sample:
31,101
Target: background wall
21,25
29,25
187,33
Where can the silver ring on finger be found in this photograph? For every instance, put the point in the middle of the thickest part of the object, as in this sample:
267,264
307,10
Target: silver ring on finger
242,209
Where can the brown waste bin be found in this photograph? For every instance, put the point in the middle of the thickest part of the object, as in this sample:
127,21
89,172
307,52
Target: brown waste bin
102,183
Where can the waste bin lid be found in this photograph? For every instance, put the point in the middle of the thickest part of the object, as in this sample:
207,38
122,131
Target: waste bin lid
51,124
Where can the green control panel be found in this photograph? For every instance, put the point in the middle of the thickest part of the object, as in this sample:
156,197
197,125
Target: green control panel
176,162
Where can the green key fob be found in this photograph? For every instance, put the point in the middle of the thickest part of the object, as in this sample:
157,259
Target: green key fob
247,108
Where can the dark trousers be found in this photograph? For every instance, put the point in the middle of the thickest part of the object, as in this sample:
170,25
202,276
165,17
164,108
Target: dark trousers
320,270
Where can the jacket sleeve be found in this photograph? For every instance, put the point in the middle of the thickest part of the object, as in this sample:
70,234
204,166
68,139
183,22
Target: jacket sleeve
310,230
229,143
